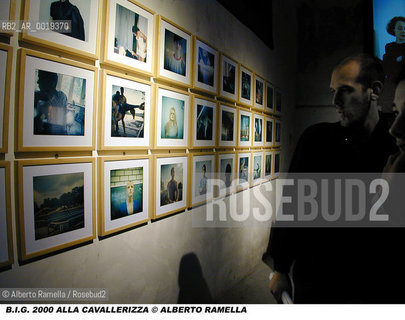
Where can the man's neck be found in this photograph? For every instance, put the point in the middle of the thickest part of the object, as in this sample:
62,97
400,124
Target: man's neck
366,129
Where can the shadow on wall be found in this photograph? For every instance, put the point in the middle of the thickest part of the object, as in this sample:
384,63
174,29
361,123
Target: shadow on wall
193,287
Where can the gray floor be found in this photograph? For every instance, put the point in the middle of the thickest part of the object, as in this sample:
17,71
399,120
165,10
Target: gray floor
254,288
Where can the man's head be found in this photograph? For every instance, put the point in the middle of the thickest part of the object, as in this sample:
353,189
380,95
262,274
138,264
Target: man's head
130,189
172,114
172,172
47,81
356,83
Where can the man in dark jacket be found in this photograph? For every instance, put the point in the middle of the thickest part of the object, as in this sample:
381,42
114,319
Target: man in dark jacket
333,265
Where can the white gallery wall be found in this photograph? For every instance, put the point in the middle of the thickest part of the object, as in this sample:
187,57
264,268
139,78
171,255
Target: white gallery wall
142,264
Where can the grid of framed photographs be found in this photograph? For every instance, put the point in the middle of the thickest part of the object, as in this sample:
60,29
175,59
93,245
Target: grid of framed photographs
184,111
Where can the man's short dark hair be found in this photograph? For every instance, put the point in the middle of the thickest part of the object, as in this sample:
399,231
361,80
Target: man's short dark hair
49,77
370,68
392,23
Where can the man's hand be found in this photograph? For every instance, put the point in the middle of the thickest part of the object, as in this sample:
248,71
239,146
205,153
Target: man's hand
279,283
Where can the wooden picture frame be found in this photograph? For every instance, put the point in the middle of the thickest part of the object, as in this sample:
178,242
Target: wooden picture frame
228,78
258,130
56,206
124,192
171,133
174,53
123,48
205,66
227,126
6,235
277,132
6,60
87,15
64,121
244,128
277,163
268,165
7,12
260,97
202,177
269,132
204,122
257,167
245,85
269,98
167,168
244,172
226,173
126,122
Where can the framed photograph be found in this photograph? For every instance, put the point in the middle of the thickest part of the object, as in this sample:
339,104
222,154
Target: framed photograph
243,170
7,12
56,204
226,165
56,104
278,101
126,112
174,58
277,164
171,186
6,236
204,122
260,100
6,57
268,165
83,36
245,128
277,133
258,133
245,86
205,67
269,141
129,36
124,193
227,131
202,177
228,78
269,97
172,118
257,167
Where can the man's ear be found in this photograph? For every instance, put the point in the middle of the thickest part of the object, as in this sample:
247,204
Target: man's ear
377,87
